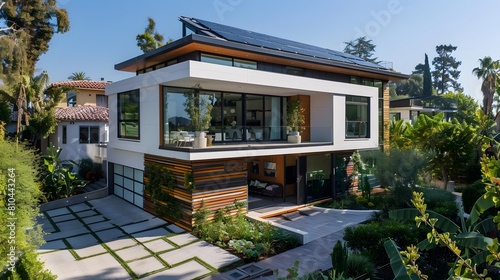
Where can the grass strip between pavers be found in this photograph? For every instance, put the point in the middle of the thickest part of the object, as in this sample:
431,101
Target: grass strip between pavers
49,218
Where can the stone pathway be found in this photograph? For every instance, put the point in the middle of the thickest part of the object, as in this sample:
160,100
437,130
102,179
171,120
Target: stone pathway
109,238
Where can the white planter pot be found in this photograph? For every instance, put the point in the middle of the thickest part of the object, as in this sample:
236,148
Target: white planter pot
200,140
294,137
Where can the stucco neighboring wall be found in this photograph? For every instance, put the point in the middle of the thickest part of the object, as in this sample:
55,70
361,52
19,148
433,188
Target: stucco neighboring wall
83,97
73,149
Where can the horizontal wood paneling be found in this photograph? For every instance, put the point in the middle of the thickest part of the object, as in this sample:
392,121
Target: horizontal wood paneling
218,183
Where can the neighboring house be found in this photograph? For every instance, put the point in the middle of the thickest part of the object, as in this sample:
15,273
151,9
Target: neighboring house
83,116
248,78
83,92
409,109
82,132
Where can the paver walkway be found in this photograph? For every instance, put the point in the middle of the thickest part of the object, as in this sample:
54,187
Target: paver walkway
109,238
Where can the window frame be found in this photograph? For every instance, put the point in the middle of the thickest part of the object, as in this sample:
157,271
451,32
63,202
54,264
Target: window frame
64,135
89,134
121,134
359,103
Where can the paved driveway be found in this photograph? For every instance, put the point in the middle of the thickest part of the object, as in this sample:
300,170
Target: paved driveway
109,238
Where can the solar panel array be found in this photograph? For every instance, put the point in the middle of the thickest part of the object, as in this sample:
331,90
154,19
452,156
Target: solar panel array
270,42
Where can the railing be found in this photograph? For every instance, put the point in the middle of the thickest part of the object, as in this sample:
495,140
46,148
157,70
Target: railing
436,102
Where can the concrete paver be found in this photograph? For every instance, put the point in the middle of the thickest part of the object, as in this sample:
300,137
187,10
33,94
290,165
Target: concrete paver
99,267
133,253
79,207
186,271
87,213
150,234
110,234
63,218
121,243
130,234
58,212
144,266
212,255
152,223
183,239
158,245
101,226
93,219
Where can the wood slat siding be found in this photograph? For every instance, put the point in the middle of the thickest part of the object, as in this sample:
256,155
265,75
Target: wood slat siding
386,117
218,184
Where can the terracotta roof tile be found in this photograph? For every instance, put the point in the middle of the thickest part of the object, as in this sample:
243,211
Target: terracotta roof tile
82,84
83,113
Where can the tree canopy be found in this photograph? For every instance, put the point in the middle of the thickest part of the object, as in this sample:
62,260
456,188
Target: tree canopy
150,39
362,47
446,72
78,76
28,28
412,86
489,72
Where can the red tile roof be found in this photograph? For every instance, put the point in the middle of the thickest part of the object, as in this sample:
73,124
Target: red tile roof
83,113
82,84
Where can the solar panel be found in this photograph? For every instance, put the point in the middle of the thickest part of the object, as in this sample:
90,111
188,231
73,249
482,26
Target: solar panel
262,40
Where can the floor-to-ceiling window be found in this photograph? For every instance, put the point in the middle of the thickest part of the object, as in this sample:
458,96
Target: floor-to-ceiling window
235,117
318,177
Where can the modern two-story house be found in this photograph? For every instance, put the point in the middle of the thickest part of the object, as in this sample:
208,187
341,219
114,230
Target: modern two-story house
247,78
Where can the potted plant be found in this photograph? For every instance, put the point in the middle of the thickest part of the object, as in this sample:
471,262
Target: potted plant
295,120
199,108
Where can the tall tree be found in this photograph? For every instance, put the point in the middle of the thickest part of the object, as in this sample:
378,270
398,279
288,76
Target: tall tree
427,86
31,24
362,47
78,76
488,70
28,28
150,39
411,87
445,72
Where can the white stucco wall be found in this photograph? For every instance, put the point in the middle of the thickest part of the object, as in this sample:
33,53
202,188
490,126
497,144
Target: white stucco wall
73,149
327,101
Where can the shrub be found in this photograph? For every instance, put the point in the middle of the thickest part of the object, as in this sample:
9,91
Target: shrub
89,170
28,267
471,193
359,265
368,239
339,257
19,201
249,239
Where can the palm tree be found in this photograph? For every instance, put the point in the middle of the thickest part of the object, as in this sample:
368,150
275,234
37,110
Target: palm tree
77,76
488,70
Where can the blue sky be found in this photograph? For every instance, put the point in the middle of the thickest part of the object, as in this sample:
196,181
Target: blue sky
103,32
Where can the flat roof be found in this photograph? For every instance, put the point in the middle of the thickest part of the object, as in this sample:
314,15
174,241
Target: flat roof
234,39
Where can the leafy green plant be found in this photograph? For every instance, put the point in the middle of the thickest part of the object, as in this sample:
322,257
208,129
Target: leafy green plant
468,242
19,198
56,175
359,265
89,170
339,257
189,181
368,239
199,108
471,193
163,200
28,267
295,115
249,239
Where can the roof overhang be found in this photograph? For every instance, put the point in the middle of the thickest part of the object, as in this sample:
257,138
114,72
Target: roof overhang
202,43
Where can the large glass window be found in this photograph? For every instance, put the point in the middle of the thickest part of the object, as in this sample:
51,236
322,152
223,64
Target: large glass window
318,177
89,134
128,115
235,117
228,61
357,117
